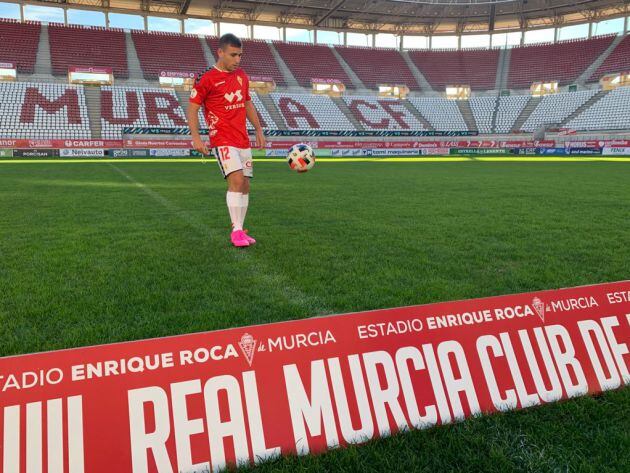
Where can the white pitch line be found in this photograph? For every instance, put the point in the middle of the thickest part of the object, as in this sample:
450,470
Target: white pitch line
276,280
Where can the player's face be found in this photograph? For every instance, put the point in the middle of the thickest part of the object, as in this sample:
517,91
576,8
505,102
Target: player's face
230,58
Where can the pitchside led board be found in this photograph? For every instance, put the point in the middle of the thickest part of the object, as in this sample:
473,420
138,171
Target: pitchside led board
195,403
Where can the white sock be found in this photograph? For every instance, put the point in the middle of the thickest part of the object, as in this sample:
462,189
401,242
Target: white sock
233,200
243,209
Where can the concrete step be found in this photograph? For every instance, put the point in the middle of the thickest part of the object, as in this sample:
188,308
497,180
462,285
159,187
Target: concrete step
275,114
289,78
590,70
93,103
43,63
503,69
135,70
585,106
343,107
532,103
356,82
207,52
494,115
416,113
420,79
467,114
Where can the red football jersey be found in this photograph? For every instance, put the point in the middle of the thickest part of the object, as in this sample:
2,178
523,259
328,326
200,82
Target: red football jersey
223,96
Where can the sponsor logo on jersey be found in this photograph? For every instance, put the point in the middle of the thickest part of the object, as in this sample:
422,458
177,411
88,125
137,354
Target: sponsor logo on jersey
234,95
193,93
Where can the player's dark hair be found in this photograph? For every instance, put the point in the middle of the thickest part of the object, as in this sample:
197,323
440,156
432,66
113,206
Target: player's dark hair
229,39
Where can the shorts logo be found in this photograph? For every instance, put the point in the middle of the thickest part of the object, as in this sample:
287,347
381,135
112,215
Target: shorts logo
248,345
234,95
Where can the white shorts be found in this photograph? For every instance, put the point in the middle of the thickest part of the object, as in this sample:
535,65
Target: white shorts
233,159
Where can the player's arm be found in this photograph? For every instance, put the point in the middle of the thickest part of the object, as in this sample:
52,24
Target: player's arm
193,124
252,116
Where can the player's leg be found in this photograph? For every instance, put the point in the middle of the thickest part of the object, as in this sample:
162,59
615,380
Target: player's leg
248,172
231,168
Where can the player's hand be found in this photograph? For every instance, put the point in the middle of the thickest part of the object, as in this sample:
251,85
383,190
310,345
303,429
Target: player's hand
260,139
200,146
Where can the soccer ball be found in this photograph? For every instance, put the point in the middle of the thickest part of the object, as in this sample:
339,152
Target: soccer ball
301,158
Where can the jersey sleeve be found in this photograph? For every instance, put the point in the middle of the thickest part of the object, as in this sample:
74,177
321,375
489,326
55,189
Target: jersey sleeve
247,96
199,91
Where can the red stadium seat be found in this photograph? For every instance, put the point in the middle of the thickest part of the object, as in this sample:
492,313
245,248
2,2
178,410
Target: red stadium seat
618,61
257,59
87,46
308,61
168,52
563,61
476,68
376,66
19,43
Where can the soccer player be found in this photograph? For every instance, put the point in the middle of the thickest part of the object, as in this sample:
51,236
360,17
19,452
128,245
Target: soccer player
223,91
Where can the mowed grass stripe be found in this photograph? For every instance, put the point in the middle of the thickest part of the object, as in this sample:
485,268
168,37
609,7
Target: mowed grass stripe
86,257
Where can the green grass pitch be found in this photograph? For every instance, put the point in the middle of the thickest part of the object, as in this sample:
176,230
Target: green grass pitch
94,253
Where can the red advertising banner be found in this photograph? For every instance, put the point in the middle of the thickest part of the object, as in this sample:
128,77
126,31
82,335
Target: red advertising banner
177,74
198,402
316,80
91,69
176,143
261,79
598,144
54,144
7,65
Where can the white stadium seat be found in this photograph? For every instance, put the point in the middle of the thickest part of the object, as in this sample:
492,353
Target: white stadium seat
43,111
612,112
554,109
443,114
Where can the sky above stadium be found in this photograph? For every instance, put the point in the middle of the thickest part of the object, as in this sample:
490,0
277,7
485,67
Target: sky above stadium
207,27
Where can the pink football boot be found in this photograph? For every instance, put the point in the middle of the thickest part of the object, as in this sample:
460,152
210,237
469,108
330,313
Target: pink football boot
239,239
250,240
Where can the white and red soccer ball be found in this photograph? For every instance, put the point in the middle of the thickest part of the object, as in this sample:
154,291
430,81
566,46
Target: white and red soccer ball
301,157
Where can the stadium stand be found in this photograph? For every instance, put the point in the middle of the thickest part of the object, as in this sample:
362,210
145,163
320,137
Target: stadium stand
382,114
554,109
48,111
257,59
168,52
18,44
476,68
87,46
378,66
483,112
612,112
563,61
442,114
303,111
617,61
508,110
308,61
263,115
136,107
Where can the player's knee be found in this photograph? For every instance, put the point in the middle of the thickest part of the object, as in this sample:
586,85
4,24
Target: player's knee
236,181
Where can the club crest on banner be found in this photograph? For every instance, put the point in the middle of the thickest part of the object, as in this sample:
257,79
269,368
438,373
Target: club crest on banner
539,307
248,347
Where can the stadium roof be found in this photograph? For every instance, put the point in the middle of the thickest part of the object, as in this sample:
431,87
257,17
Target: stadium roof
400,16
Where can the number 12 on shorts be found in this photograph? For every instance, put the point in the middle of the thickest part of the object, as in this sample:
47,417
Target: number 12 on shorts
224,153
